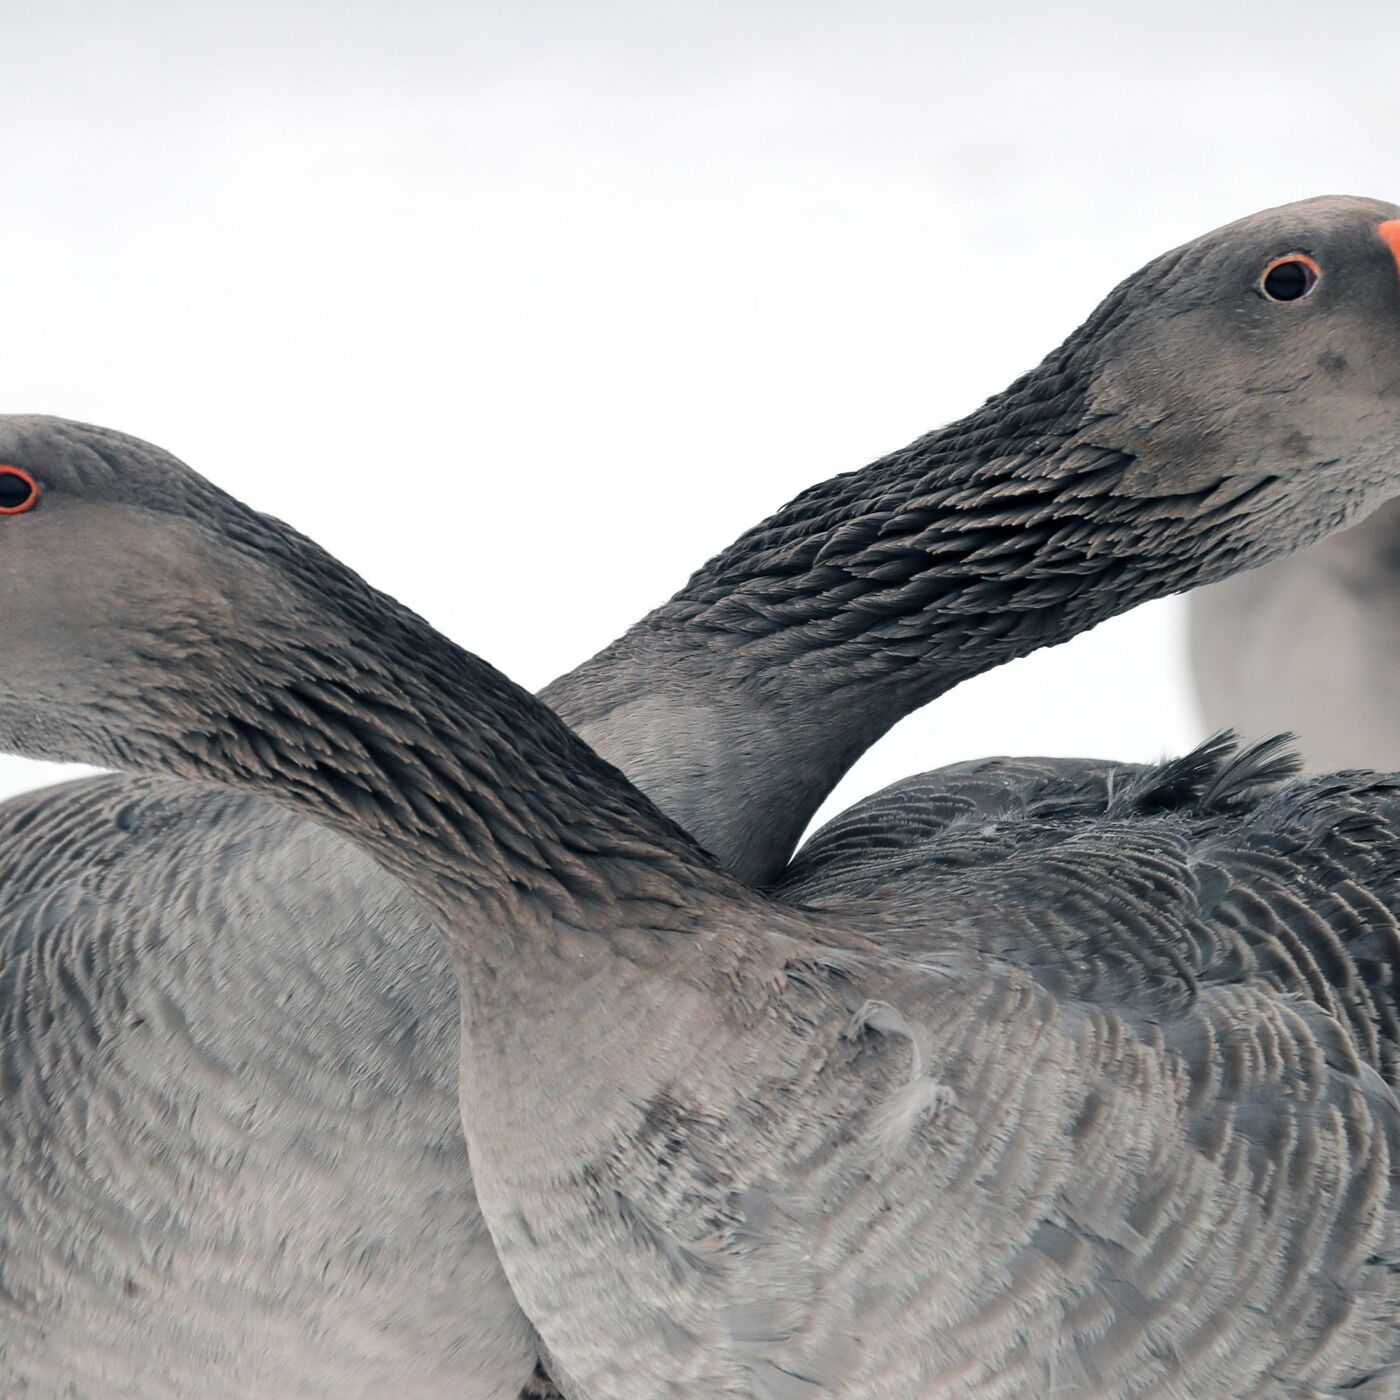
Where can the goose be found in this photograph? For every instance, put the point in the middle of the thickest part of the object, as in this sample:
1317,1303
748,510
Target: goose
1309,644
1095,1098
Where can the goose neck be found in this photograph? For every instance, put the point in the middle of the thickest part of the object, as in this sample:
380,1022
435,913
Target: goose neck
349,710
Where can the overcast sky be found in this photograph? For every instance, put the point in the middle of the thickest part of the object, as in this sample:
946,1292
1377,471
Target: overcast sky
525,309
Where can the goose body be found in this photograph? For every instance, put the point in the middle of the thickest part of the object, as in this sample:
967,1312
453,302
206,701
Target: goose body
1310,644
940,1137
233,1160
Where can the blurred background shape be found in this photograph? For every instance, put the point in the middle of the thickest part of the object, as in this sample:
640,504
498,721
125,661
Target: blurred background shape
1310,645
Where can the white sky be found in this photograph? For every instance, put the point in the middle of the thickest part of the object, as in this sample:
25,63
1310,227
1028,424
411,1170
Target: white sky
526,309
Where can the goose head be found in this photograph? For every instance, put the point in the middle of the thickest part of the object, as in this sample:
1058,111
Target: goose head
1266,353
1233,400
137,594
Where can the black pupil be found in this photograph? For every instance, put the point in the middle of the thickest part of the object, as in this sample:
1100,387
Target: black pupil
1288,280
14,490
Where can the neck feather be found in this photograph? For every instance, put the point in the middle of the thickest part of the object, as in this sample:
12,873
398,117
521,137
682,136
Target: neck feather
339,704
742,701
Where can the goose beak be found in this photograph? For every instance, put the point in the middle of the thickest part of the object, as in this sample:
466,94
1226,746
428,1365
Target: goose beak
1390,236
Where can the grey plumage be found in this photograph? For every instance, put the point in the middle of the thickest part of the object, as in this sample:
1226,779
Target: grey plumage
272,1028
737,1195
183,1104
1310,643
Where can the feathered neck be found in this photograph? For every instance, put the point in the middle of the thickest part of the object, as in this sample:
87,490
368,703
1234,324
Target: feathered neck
329,698
788,654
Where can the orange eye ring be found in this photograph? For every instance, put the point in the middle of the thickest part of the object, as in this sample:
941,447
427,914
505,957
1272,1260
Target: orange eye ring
1289,278
13,502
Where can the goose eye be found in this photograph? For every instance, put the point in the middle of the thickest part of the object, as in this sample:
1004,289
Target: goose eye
18,490
1289,278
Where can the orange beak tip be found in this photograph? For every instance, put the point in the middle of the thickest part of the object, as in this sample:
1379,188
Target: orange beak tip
1390,236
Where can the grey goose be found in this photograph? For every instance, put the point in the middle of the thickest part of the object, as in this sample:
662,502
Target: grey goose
1103,1101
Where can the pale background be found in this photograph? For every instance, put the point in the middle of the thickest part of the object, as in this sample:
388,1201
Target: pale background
524,309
